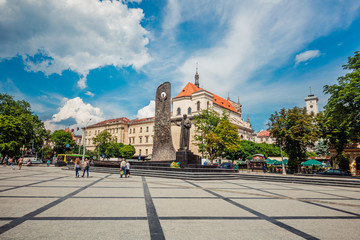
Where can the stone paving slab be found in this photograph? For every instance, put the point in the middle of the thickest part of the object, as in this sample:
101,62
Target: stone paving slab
50,203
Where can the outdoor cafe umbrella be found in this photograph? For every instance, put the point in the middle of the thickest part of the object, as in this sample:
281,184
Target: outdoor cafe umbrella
311,162
269,161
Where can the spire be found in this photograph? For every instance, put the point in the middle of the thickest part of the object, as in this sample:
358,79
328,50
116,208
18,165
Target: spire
238,100
310,93
228,98
248,119
197,76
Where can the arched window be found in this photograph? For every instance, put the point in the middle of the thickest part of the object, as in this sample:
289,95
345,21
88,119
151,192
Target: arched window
189,111
208,105
178,111
130,130
140,129
198,105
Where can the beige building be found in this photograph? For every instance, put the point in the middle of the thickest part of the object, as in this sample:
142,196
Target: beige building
191,100
264,136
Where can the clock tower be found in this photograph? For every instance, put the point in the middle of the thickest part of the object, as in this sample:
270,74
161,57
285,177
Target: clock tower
311,102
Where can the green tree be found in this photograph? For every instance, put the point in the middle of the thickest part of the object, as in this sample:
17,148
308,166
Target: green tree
127,151
248,149
215,135
18,126
113,150
341,118
322,148
64,142
295,130
102,142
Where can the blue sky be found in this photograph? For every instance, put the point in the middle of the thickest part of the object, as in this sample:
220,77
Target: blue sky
76,60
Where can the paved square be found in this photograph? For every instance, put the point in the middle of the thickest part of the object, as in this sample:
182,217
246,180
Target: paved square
50,203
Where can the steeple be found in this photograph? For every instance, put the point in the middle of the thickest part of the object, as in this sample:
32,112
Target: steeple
248,119
197,76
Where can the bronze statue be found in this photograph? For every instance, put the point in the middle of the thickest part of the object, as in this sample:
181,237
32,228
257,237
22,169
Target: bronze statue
185,132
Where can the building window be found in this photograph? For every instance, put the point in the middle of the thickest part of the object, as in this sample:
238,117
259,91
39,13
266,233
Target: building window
178,111
117,130
147,129
133,130
146,152
140,139
189,111
140,151
140,129
147,139
208,105
198,105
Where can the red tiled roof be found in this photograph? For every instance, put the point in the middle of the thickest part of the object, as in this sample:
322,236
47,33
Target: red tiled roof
190,88
142,120
68,130
263,133
123,119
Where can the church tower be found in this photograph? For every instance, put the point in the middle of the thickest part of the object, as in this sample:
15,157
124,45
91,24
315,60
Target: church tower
311,102
197,76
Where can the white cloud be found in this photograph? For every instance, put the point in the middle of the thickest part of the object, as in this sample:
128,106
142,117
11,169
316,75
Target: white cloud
147,111
74,109
256,34
53,36
90,94
308,55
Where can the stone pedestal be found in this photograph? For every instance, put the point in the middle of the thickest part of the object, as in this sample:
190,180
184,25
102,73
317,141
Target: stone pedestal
186,157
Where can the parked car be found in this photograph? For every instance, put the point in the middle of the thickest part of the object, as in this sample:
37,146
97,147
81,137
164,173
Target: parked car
226,165
215,164
339,172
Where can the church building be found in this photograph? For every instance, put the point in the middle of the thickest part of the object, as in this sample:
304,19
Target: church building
191,100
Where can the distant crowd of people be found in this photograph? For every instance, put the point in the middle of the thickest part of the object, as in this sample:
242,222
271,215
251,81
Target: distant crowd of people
6,161
124,165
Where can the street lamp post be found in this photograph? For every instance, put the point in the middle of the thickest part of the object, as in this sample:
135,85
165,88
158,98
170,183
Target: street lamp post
83,156
282,161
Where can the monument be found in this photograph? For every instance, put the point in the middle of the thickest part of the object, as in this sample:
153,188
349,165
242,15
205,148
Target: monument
184,156
163,148
184,132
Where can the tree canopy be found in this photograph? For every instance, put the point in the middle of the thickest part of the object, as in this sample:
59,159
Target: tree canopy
248,149
295,130
215,135
19,126
63,141
107,145
341,118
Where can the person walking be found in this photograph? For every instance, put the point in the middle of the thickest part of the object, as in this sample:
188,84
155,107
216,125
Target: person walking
12,161
127,169
20,162
77,167
86,167
5,161
122,168
48,162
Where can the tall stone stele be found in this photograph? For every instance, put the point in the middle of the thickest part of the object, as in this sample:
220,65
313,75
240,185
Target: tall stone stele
163,148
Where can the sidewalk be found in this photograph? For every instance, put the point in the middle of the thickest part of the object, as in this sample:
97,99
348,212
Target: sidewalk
50,203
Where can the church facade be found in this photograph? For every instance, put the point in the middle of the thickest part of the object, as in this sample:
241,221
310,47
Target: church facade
190,101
